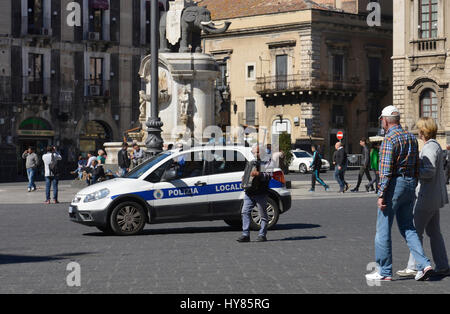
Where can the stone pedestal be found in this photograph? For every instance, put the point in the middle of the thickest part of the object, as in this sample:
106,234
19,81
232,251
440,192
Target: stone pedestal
186,93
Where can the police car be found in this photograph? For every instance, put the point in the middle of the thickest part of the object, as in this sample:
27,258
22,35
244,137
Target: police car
199,184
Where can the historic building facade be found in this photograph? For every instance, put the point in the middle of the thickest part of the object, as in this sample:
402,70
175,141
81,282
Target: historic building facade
310,68
74,87
421,63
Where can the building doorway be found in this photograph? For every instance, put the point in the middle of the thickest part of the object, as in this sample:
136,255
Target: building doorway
37,133
93,136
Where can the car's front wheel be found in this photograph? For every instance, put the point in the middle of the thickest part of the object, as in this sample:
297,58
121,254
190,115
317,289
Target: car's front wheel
273,212
127,219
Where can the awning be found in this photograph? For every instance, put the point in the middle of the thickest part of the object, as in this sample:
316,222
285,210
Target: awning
99,4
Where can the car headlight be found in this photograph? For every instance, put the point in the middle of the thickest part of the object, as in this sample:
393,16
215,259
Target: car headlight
96,195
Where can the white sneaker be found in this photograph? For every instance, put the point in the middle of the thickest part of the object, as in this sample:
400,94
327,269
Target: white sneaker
407,272
29,189
424,274
377,277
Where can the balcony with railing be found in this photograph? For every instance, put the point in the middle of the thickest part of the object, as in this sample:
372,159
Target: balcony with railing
97,88
428,46
36,86
298,83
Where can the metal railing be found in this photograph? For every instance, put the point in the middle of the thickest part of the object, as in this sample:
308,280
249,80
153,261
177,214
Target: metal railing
36,86
296,82
97,88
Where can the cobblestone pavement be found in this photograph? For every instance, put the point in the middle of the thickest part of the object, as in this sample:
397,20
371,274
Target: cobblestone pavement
322,245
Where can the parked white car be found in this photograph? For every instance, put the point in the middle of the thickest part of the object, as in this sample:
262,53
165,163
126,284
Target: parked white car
302,160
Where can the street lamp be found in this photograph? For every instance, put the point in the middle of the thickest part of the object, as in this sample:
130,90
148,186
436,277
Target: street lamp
154,142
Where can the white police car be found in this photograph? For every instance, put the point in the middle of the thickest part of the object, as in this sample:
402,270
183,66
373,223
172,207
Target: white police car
202,183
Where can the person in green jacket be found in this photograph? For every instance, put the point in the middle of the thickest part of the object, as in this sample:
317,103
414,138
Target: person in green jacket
374,165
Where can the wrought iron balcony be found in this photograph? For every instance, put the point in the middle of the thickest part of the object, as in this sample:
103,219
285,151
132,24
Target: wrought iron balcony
294,83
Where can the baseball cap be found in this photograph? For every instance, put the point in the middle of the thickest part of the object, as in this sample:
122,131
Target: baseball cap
390,111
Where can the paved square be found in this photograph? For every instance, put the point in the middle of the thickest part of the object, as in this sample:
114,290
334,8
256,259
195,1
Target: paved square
322,245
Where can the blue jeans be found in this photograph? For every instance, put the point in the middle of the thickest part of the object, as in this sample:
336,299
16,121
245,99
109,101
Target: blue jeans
399,200
48,182
339,176
31,172
260,201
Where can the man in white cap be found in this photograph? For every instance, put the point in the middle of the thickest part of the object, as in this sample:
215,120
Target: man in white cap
399,166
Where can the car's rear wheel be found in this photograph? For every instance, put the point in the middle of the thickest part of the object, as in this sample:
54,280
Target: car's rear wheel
273,211
303,169
127,219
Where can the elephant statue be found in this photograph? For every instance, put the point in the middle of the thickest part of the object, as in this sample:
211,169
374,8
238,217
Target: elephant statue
194,20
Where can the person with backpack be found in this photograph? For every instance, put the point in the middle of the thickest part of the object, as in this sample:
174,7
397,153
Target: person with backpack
52,171
315,166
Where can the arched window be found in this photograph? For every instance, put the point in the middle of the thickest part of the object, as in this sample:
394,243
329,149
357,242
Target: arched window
428,18
429,104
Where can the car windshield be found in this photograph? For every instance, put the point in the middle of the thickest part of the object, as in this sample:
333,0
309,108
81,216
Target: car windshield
302,154
135,173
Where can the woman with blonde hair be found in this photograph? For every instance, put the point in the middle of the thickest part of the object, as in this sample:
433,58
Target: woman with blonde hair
431,195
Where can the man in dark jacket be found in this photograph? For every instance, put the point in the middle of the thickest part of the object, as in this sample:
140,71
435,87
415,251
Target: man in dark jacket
365,163
256,195
340,161
124,160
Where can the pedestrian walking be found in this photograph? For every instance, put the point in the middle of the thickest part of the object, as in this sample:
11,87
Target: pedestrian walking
255,182
365,164
124,160
51,160
374,165
316,165
431,195
31,164
399,167
340,162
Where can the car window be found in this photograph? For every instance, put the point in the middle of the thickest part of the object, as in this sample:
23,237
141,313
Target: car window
189,165
156,175
302,155
146,165
225,161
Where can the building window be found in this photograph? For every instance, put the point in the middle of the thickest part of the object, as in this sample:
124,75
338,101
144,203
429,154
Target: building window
35,17
250,111
222,81
338,68
428,18
281,70
35,73
429,104
251,72
374,73
96,77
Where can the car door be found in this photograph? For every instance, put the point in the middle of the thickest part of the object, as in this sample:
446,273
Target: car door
182,196
226,168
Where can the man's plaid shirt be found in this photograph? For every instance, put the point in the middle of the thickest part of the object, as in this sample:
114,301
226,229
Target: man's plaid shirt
399,155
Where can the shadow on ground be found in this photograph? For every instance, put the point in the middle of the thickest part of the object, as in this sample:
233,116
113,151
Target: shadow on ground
197,230
24,259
